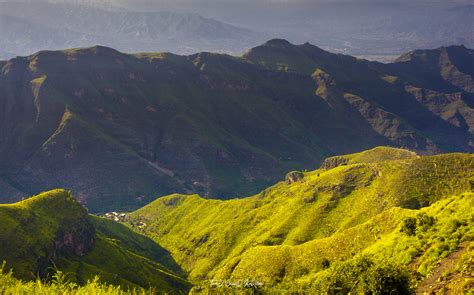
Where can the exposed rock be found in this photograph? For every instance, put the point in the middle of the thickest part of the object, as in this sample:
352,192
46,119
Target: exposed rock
311,199
293,177
75,241
171,201
78,241
334,162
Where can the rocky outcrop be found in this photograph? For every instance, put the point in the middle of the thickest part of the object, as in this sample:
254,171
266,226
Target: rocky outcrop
334,162
293,177
73,236
78,241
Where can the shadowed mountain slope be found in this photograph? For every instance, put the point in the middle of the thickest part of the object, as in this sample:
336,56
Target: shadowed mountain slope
121,129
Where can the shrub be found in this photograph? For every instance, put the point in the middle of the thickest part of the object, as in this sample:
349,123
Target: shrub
325,263
455,224
422,223
385,280
409,226
363,276
425,221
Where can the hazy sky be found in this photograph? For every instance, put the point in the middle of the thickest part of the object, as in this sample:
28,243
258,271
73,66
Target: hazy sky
247,2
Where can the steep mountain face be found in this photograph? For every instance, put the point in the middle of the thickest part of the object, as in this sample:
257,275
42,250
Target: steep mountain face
52,230
30,27
388,96
121,129
296,235
448,69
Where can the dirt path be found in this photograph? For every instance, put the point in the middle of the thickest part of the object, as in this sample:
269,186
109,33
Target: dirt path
436,283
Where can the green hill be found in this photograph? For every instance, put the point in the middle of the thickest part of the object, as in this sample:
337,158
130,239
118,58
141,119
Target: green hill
52,231
302,233
221,126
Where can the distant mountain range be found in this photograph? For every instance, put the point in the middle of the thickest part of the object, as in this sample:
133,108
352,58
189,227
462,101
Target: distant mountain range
120,129
377,30
29,27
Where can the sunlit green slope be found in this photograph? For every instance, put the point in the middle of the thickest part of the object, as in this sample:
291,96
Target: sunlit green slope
52,231
290,232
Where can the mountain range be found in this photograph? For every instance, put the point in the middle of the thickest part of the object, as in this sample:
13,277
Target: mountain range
377,30
121,129
29,27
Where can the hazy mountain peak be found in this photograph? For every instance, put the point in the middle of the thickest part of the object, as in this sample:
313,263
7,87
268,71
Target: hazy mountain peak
425,54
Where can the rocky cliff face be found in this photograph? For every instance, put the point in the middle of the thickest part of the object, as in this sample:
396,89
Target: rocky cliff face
293,177
334,162
75,241
37,233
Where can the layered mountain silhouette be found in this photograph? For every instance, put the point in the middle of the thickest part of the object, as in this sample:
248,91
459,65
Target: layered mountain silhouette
29,27
121,129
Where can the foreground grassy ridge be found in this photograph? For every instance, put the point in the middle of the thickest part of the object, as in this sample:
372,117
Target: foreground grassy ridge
61,285
288,231
52,231
28,229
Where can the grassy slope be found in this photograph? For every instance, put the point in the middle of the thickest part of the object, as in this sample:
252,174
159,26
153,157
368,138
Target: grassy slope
28,229
53,230
60,285
117,263
379,238
282,233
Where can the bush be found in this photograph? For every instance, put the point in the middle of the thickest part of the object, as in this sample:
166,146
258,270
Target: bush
409,226
455,224
422,223
325,263
385,280
425,221
363,276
